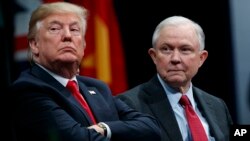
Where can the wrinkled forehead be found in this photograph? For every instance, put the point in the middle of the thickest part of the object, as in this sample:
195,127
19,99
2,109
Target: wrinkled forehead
178,35
178,32
62,17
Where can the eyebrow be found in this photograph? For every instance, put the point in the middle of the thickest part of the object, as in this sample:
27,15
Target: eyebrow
60,23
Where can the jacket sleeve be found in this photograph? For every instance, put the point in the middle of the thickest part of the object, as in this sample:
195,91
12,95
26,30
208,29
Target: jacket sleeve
133,125
39,115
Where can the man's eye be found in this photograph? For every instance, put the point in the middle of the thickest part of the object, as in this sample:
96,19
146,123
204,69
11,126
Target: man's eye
165,49
54,30
75,31
186,50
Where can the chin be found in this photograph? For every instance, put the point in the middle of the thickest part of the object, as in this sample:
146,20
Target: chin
175,82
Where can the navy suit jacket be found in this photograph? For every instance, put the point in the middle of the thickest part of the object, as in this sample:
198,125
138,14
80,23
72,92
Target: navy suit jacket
150,98
45,110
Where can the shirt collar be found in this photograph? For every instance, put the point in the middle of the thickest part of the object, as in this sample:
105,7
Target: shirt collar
173,95
59,78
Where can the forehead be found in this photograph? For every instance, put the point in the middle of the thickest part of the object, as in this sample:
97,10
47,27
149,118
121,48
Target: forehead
63,18
179,30
178,35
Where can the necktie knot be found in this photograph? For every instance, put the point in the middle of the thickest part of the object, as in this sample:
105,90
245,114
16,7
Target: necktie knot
184,101
72,86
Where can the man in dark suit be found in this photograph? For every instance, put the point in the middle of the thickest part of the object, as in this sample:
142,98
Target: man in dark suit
44,109
178,52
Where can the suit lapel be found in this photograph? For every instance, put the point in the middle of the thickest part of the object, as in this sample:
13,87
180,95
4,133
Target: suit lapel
63,94
96,102
206,107
160,105
90,97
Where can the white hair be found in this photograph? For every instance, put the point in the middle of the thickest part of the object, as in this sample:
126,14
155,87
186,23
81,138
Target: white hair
179,20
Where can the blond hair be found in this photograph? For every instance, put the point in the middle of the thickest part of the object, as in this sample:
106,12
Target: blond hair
46,10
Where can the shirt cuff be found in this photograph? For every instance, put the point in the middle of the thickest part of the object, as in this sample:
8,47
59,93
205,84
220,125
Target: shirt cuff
108,130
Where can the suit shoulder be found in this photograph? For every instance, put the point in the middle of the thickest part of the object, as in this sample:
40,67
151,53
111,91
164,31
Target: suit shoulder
207,95
89,81
133,91
94,83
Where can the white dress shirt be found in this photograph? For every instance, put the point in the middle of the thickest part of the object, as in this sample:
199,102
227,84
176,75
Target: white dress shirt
64,82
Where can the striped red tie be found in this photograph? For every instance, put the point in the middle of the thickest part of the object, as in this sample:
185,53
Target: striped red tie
197,131
72,86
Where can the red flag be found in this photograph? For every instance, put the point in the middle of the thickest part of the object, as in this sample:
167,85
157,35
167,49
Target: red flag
21,21
103,58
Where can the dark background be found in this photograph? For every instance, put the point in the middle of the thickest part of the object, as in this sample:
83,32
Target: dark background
138,19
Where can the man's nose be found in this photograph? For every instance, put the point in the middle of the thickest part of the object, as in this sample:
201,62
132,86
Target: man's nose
67,33
175,56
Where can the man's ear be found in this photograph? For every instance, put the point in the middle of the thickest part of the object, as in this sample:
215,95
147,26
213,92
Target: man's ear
152,54
33,46
203,57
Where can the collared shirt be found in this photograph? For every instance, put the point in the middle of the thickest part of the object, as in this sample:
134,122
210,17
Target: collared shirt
59,78
174,97
64,82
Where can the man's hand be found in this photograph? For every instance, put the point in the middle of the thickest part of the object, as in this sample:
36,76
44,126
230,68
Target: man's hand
97,129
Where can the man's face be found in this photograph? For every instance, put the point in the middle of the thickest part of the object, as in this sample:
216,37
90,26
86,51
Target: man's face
59,39
177,55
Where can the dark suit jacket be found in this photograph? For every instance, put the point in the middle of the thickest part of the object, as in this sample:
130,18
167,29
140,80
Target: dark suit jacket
150,98
45,110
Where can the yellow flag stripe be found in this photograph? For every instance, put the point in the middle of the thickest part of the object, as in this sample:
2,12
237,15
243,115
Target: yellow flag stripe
88,61
103,64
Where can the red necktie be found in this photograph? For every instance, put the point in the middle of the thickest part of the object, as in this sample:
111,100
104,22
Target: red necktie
72,86
197,130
